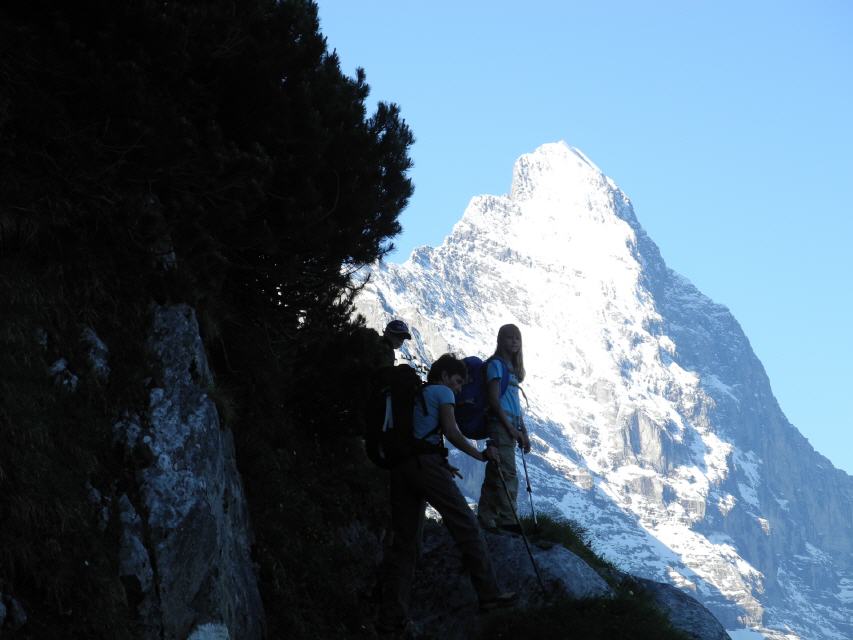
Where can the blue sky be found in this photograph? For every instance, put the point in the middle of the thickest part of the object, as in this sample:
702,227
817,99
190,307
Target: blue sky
728,124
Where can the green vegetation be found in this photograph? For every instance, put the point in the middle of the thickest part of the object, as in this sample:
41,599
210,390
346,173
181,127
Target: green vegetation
556,529
56,553
206,152
629,615
623,617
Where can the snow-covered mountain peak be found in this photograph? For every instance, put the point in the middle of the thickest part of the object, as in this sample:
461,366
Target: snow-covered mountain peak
654,423
562,212
553,170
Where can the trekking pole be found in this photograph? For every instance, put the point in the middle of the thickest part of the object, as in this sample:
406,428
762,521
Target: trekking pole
529,491
523,535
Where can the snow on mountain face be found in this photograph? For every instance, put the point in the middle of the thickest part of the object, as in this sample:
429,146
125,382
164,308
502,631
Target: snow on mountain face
654,424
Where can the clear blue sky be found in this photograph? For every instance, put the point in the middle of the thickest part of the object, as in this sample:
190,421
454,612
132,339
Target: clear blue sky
728,124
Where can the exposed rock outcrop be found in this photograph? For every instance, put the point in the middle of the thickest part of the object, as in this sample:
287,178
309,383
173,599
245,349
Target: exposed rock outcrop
186,536
12,614
444,604
685,613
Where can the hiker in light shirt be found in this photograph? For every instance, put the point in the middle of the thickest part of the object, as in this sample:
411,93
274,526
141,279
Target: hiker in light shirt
506,431
425,477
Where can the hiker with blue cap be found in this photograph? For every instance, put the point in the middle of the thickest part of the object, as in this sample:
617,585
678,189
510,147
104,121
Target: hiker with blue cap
378,349
396,332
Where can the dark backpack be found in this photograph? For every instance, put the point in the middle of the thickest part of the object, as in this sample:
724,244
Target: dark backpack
388,436
472,402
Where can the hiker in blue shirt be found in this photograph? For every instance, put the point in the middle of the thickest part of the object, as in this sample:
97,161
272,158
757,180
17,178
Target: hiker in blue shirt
506,431
425,477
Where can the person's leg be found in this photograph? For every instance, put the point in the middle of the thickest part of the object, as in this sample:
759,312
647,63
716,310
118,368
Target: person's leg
398,565
492,493
435,483
498,507
507,506
486,511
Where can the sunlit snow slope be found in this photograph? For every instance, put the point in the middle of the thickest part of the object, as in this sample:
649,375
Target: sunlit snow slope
654,423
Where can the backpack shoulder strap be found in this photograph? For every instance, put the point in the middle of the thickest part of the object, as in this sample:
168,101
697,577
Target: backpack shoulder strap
526,401
421,399
504,373
426,411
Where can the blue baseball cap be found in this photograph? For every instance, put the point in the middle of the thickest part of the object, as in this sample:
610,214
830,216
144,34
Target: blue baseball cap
399,327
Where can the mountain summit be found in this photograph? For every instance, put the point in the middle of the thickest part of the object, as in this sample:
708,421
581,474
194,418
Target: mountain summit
654,423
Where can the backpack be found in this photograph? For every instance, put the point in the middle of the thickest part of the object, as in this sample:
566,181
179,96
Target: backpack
388,437
472,401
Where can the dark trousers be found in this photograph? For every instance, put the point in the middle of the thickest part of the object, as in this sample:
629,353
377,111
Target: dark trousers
422,479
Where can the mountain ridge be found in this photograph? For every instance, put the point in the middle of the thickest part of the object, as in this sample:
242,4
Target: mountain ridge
649,408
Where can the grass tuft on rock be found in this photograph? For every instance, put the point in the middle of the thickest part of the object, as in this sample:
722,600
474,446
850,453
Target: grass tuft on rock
630,615
554,528
624,617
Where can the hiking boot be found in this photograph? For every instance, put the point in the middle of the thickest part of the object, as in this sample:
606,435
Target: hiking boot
499,602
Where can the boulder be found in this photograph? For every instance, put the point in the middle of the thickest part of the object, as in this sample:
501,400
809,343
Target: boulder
445,603
685,613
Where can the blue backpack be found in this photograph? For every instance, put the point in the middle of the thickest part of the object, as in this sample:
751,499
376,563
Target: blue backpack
472,402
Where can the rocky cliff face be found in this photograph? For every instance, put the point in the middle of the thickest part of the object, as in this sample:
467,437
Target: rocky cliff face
185,528
654,422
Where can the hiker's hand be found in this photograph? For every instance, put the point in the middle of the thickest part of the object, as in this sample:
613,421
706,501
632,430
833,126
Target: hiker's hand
454,472
491,453
524,441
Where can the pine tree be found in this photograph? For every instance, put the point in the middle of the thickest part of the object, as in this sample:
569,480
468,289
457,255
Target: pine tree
201,151
225,131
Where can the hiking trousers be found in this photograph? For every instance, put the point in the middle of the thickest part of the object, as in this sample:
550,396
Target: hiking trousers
421,479
494,508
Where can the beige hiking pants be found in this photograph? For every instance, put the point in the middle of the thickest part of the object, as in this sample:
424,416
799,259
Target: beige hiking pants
495,509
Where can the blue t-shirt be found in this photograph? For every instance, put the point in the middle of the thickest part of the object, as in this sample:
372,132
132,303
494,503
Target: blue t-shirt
510,401
435,395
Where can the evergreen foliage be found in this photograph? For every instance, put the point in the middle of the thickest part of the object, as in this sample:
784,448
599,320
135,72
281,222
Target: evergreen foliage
58,551
201,151
223,131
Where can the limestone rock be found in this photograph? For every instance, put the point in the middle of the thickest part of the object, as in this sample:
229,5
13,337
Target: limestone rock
13,616
216,631
445,603
685,613
63,376
186,533
97,353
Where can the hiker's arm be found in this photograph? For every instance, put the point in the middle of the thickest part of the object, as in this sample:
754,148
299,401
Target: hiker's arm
497,409
451,431
525,437
524,441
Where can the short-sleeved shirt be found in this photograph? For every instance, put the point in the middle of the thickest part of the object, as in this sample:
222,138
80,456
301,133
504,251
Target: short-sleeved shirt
435,395
510,400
